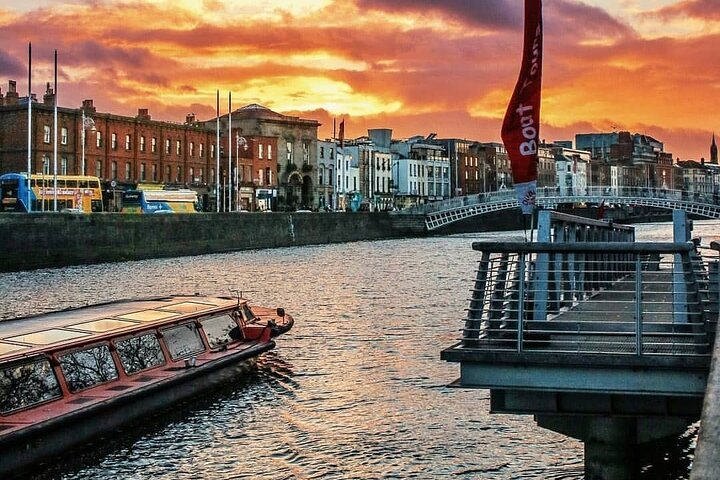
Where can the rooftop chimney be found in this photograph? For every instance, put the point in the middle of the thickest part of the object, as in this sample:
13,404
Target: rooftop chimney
190,118
143,114
12,97
88,107
2,98
49,97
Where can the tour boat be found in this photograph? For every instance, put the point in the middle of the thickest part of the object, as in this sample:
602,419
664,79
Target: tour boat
69,376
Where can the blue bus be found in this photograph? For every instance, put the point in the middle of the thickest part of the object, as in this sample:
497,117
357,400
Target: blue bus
160,201
76,192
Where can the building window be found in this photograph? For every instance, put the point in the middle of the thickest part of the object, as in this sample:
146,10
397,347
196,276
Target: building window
128,144
178,177
322,153
142,172
63,166
46,134
260,151
154,172
306,152
142,143
192,149
212,152
289,146
127,171
63,136
98,139
202,174
167,146
212,176
260,176
46,165
178,150
167,173
201,150
98,168
192,174
153,145
113,167
269,152
113,141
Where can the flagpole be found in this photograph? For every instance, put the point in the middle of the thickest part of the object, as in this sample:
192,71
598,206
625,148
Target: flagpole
217,154
229,170
82,171
55,142
29,136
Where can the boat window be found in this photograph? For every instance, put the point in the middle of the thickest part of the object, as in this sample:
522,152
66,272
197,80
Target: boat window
26,384
140,353
183,340
218,330
247,313
85,368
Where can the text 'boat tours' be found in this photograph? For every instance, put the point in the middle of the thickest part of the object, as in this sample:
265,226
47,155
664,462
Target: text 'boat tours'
69,376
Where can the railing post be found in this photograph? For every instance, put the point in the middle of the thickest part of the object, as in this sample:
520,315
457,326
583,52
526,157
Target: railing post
542,267
521,303
475,312
681,234
638,306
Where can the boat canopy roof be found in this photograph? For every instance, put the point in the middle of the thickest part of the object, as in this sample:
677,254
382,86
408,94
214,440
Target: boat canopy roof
26,336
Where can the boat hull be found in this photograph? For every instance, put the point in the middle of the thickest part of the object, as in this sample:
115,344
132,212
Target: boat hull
25,450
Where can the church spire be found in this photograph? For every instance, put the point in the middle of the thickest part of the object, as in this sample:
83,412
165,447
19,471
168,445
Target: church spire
713,151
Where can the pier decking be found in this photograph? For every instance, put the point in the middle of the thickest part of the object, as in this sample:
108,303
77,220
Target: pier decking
600,337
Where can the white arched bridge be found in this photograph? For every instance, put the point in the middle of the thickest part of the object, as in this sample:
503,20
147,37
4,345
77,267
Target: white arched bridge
445,212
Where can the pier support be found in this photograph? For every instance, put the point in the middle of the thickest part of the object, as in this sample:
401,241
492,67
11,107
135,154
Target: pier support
612,444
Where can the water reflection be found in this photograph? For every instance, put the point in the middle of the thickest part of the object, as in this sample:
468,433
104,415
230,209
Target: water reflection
355,390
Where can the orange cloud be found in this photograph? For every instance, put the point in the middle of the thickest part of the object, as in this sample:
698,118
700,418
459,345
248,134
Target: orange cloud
416,66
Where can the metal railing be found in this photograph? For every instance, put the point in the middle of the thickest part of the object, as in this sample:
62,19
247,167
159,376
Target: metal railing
553,196
611,297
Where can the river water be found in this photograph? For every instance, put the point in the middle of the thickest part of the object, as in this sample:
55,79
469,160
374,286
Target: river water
356,390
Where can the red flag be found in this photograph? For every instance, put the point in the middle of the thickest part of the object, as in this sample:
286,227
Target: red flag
521,126
342,134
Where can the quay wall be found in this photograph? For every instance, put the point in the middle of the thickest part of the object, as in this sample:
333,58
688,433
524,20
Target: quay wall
47,240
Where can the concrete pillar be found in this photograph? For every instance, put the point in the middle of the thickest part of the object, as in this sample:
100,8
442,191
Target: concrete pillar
613,444
610,449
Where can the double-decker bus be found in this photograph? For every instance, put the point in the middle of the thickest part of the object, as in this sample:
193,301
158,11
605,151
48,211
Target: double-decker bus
160,201
76,192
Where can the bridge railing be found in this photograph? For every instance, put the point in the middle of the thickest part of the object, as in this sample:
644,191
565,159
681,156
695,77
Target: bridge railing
556,195
613,297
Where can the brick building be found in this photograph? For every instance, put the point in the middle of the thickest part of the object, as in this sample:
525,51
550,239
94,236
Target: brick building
123,151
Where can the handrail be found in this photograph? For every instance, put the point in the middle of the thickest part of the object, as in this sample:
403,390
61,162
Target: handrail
638,298
614,247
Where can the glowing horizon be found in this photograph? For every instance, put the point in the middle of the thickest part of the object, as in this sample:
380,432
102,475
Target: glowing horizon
413,66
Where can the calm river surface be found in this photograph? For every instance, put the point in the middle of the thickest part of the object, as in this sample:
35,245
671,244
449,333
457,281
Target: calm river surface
356,390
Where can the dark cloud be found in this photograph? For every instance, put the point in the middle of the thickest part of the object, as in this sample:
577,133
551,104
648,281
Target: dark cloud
491,14
10,67
568,20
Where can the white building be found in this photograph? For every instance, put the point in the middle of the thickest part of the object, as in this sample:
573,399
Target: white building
421,171
326,168
572,167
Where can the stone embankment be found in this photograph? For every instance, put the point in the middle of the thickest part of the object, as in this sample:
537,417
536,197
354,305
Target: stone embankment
47,240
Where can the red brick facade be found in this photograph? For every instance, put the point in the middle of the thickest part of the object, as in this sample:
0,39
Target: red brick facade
128,150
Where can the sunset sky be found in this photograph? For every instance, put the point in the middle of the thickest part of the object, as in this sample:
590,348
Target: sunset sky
416,66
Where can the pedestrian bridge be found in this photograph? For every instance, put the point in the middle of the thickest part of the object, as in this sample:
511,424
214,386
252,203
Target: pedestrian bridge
439,214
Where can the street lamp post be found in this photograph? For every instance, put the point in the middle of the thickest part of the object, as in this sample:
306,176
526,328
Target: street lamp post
239,141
